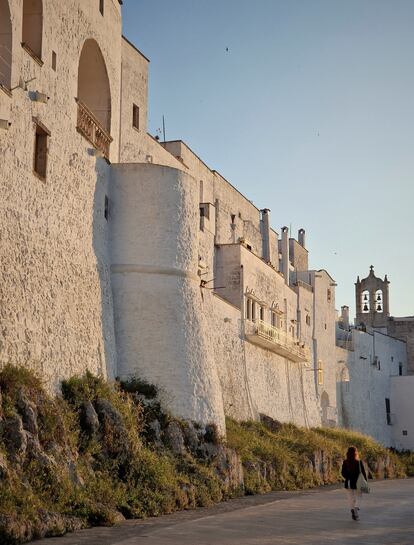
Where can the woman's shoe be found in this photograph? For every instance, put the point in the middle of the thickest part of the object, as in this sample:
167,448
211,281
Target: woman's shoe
354,514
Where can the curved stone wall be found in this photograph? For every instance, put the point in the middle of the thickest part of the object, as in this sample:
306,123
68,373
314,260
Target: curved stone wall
161,333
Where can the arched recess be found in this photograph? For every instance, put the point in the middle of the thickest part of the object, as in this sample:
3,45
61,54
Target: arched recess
325,408
93,84
5,44
33,26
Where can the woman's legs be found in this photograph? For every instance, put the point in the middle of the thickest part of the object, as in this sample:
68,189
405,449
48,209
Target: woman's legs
352,499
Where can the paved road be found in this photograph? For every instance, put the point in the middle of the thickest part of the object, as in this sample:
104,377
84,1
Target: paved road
317,517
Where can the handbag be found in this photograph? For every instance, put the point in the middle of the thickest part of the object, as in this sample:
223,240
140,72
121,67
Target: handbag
361,483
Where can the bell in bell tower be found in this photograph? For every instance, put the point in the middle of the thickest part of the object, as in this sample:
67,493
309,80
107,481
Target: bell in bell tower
372,302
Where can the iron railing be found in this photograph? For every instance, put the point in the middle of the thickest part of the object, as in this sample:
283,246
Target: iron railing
281,340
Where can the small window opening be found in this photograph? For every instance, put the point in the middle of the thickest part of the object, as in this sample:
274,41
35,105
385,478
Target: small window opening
400,369
40,152
101,6
405,432
388,410
135,116
328,295
308,320
262,313
54,60
248,309
106,208
273,319
249,247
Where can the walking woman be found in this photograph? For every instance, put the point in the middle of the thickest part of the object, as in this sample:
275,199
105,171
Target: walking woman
351,468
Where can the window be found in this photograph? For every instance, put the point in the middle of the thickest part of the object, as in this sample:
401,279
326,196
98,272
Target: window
388,411
273,318
106,208
308,320
400,369
328,295
135,116
365,301
347,387
54,61
40,152
101,6
32,27
249,312
405,432
320,372
261,313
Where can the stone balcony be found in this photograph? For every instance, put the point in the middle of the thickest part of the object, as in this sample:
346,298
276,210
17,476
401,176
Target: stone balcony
92,130
276,340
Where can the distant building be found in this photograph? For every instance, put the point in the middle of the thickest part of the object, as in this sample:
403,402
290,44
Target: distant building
375,395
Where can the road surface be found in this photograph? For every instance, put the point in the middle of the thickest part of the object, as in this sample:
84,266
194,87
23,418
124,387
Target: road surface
315,517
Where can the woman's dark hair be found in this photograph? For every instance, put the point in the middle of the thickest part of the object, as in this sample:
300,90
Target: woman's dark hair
352,454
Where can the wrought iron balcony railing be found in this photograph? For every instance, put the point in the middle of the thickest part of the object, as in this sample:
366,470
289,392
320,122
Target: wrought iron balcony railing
92,130
272,338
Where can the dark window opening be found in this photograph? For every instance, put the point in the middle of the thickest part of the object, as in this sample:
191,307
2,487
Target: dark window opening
40,152
106,208
101,6
135,116
400,369
388,410
54,61
405,432
262,313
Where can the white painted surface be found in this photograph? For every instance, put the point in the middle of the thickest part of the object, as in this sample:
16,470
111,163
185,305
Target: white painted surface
402,407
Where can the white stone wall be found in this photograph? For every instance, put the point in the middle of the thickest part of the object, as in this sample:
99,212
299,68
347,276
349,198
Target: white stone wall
402,408
137,146
255,380
363,399
56,305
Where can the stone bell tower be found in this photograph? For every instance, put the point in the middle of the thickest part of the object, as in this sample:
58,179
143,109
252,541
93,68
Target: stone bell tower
372,302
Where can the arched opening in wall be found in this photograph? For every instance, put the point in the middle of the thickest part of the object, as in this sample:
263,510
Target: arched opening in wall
325,408
32,27
365,303
5,45
94,98
379,304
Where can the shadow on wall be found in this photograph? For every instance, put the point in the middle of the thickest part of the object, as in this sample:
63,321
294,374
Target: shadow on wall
106,353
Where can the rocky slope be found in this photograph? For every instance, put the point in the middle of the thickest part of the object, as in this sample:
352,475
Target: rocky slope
102,453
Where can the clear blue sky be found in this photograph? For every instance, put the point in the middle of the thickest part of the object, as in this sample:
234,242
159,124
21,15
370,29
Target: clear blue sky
310,113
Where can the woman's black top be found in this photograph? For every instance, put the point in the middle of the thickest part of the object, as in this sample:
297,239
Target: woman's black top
350,472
